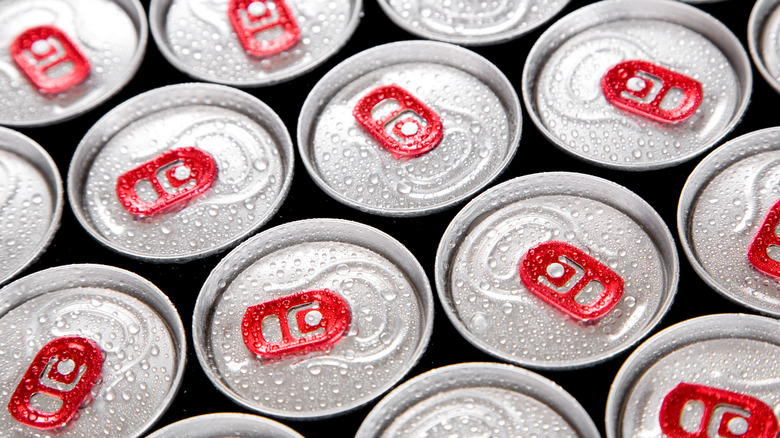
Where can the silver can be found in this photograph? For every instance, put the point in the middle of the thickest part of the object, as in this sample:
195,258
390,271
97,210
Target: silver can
556,270
409,128
181,172
478,399
727,218
312,318
251,42
709,376
224,425
64,57
30,202
764,41
88,351
471,22
636,84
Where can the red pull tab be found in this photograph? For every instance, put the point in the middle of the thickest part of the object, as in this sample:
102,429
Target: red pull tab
188,166
755,414
639,87
43,52
66,369
255,21
765,237
550,262
320,327
410,129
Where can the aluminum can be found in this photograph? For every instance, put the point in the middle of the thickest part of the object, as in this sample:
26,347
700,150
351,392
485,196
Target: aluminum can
88,351
556,270
636,84
471,22
478,399
226,425
62,58
763,28
709,376
181,172
312,318
409,128
30,202
249,43
727,217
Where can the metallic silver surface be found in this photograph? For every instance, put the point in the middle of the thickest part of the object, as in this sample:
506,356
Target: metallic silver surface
385,287
198,39
764,40
111,33
134,324
251,147
721,207
478,399
226,425
478,107
727,351
563,72
31,202
477,268
471,22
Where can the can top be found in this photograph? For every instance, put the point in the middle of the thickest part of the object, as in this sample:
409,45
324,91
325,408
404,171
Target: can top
226,424
636,84
489,398
496,270
61,59
763,26
725,360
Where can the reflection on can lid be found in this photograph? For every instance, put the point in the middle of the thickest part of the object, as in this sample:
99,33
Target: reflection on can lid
226,424
471,22
30,202
95,348
409,128
251,42
688,84
181,172
556,270
763,28
728,216
708,376
346,312
66,57
478,399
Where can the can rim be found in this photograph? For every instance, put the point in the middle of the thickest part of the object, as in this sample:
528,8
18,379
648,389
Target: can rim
400,52
640,211
226,423
524,381
265,243
683,14
115,121
157,14
758,16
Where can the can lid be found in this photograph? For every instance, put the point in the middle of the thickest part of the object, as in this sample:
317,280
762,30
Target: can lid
489,398
31,200
409,128
226,424
181,172
66,58
312,318
556,270
636,84
763,25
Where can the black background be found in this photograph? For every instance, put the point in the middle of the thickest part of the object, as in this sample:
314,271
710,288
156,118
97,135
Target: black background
181,282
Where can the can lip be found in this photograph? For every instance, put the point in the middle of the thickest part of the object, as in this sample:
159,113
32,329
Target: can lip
756,22
479,40
267,242
609,193
121,116
120,280
710,166
136,13
157,14
396,53
682,14
703,328
209,425
483,374
28,149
